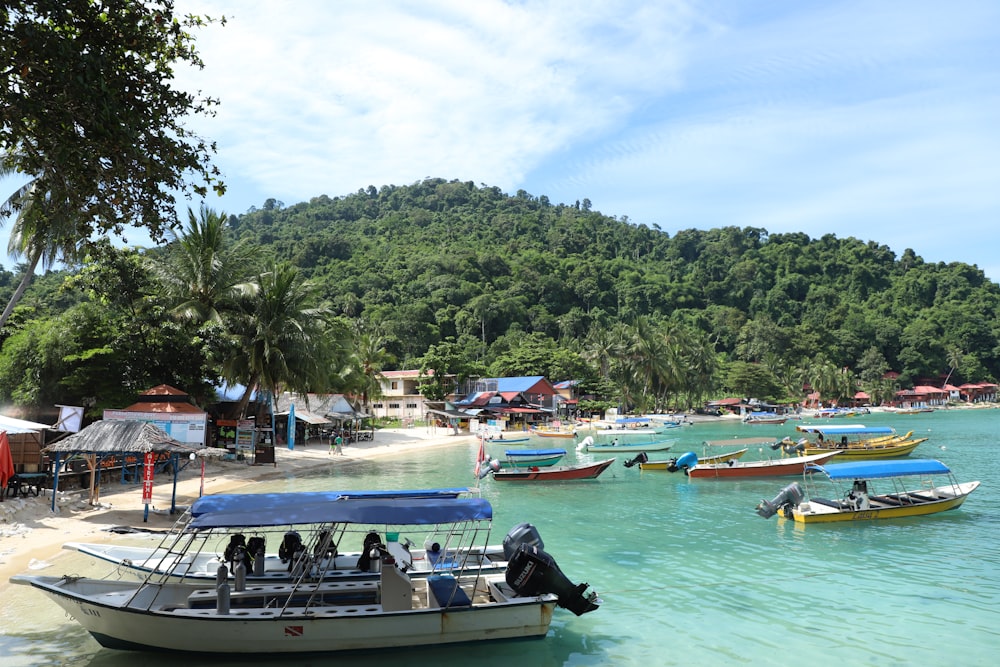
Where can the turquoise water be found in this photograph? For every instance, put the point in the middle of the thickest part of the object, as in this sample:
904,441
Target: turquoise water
688,573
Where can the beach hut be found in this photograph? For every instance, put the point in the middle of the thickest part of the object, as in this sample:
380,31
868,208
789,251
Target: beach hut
128,446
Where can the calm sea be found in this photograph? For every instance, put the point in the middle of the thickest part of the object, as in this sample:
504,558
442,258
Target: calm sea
689,574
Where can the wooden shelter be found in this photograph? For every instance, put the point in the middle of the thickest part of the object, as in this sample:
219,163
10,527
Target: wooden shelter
119,445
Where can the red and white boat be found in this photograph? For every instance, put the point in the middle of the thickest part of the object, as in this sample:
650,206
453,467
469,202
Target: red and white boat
790,465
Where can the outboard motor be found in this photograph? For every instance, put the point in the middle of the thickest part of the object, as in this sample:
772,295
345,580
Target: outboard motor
790,495
640,458
532,572
683,462
522,533
586,442
492,466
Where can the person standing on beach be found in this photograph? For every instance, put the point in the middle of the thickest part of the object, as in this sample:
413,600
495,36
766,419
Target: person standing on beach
338,442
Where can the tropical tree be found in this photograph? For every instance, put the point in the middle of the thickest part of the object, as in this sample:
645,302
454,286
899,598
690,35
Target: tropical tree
370,357
88,112
278,338
39,235
203,270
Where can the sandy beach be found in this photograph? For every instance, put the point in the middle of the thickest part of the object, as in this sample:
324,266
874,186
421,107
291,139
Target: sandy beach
31,532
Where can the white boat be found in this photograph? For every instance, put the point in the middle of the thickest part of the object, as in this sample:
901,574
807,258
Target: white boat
615,446
311,615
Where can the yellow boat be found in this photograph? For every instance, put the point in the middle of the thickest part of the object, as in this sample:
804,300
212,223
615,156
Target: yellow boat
878,490
858,442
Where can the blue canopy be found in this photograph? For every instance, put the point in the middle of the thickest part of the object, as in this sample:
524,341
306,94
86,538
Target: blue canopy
632,420
877,469
534,452
848,430
228,502
276,509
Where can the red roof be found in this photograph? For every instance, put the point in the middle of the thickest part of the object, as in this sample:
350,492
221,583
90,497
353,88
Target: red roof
156,406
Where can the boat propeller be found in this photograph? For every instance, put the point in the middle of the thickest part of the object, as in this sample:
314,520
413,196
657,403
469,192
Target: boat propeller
790,495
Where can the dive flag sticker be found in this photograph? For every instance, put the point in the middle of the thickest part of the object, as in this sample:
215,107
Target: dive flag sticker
293,630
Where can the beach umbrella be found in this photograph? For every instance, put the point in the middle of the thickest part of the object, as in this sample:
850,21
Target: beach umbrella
291,426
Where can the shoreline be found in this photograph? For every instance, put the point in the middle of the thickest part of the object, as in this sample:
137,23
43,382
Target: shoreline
31,533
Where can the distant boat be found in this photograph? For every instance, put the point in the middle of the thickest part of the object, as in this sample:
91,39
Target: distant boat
588,444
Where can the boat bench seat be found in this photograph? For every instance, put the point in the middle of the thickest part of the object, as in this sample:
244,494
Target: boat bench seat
886,500
443,591
277,595
829,503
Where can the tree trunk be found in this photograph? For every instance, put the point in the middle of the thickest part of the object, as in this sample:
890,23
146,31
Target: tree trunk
29,273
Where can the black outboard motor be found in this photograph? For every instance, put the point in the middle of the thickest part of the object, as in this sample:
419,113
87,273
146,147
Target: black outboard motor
522,533
640,458
532,572
788,496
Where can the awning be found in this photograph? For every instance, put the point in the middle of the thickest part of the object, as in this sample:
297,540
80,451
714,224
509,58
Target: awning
452,414
306,416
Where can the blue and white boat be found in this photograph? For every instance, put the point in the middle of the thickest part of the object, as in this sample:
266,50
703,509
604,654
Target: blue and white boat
310,613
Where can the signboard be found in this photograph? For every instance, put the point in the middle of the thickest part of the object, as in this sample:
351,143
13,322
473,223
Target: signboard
189,429
147,478
245,436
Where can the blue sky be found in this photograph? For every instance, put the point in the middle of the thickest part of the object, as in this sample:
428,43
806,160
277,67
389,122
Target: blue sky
877,120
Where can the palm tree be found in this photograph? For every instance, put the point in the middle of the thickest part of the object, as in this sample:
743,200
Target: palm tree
203,273
37,235
954,359
371,357
280,338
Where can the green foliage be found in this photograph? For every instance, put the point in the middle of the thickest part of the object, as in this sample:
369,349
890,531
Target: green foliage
88,110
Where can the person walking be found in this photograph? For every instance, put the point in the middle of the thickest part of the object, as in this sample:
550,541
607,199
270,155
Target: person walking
338,442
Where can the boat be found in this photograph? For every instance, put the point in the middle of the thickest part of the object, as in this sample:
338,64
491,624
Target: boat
764,418
630,426
524,458
189,553
858,442
789,465
670,465
554,473
553,432
876,490
588,444
311,615
508,439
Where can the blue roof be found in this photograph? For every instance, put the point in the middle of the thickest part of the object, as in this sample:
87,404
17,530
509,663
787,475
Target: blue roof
632,420
848,430
534,452
879,469
227,502
518,383
288,509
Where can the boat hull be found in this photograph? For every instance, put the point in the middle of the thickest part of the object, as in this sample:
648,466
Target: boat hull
873,451
773,468
555,474
103,613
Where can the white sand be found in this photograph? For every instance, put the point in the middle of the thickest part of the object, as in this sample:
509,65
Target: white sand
32,534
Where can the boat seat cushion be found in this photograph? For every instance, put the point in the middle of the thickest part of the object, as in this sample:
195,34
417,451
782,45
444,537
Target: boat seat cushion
446,591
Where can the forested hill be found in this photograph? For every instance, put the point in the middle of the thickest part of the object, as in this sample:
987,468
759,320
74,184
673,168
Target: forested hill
441,259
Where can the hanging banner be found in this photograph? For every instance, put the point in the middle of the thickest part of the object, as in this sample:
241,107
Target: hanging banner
147,478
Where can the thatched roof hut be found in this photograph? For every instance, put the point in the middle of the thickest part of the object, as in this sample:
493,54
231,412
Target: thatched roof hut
117,441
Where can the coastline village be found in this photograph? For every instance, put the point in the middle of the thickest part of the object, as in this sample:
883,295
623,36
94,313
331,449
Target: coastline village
66,454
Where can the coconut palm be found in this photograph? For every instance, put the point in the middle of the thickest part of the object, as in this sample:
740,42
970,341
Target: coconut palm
203,272
280,338
38,234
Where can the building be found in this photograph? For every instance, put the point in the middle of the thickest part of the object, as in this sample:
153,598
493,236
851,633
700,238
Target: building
401,398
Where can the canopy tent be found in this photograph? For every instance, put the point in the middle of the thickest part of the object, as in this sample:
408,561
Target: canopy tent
305,416
109,439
